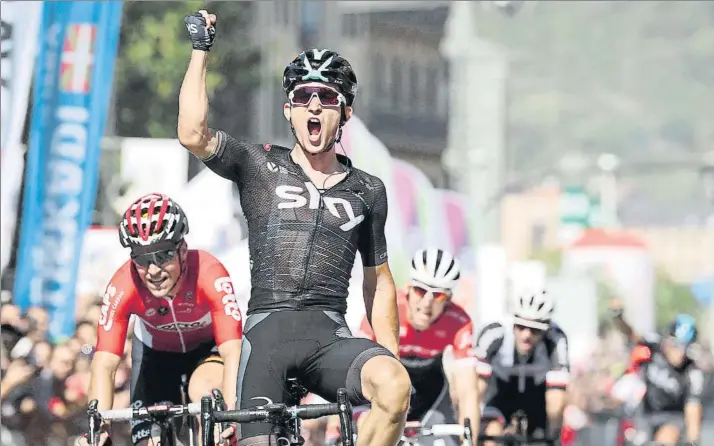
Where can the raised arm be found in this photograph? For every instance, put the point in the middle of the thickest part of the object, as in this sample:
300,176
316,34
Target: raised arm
193,131
617,311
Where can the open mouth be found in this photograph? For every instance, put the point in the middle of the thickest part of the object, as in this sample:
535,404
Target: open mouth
424,314
158,281
314,127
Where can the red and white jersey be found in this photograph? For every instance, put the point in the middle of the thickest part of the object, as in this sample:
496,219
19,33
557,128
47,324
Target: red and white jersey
453,328
204,309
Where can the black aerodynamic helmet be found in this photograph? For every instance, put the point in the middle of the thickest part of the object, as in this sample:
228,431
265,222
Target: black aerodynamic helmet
321,66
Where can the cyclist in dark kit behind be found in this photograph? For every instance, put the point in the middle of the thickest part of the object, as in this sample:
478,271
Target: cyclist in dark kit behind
671,408
308,212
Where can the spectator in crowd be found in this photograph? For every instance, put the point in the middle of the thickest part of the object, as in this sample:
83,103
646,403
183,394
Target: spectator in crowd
43,390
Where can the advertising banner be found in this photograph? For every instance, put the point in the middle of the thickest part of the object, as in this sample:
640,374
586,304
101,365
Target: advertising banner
72,86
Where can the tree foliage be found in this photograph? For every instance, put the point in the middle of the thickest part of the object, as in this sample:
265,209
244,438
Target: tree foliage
672,299
623,77
153,56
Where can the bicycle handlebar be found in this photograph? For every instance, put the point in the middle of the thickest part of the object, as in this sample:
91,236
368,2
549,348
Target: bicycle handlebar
159,410
270,411
440,430
446,429
164,411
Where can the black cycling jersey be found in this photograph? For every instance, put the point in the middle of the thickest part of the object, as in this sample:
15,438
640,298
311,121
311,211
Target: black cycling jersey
668,388
303,239
517,382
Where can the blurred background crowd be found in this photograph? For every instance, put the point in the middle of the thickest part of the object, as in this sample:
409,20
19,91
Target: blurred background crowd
44,383
562,145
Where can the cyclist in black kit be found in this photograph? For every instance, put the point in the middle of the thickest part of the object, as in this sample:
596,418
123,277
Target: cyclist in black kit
673,383
308,212
524,366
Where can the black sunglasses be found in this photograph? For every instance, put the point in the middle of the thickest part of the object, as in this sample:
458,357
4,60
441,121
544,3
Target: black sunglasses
535,331
158,258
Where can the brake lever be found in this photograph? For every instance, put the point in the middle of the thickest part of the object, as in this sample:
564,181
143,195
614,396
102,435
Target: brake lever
219,405
94,420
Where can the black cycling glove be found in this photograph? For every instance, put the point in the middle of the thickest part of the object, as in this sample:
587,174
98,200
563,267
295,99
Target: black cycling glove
201,37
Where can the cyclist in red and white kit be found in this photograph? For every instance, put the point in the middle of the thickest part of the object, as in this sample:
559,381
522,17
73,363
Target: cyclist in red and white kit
187,317
429,325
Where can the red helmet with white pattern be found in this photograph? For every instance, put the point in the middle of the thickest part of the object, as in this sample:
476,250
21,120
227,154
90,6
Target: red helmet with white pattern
151,219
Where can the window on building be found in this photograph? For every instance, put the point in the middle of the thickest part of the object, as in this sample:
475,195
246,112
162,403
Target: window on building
378,80
443,90
430,90
414,93
538,233
395,85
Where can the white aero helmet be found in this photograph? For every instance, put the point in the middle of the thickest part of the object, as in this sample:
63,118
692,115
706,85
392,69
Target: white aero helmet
533,310
435,268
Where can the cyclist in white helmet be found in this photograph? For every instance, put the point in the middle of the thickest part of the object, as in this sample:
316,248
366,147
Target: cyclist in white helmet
523,366
429,324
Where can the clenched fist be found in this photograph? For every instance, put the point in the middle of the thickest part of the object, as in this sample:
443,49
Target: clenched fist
201,28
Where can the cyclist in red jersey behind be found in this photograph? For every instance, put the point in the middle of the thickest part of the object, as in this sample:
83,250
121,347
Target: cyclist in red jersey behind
187,317
429,324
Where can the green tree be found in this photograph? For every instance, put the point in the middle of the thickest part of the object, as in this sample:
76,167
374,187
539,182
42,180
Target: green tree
674,298
153,55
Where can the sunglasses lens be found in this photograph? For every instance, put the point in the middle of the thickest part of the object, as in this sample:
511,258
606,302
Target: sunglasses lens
535,331
301,96
329,97
326,96
159,258
440,296
420,292
437,296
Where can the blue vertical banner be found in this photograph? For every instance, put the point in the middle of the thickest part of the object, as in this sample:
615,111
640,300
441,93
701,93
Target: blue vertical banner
72,87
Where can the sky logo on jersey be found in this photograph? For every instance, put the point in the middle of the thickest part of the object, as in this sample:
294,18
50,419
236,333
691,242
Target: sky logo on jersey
297,200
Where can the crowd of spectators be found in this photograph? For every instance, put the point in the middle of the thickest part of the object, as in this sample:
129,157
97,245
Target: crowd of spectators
43,392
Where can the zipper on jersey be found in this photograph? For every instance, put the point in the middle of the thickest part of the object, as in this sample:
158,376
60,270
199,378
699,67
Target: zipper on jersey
318,220
178,330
